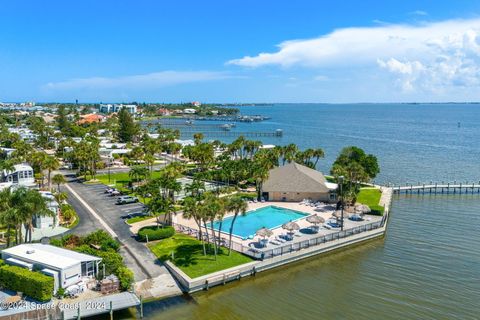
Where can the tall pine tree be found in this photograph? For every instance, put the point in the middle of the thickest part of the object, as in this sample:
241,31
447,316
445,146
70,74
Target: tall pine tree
127,128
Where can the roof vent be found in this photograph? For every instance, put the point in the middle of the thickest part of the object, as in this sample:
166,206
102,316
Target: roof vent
30,251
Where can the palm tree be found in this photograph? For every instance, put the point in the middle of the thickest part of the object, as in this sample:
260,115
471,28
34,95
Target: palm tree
317,153
198,137
60,197
137,172
8,213
196,188
149,161
289,153
211,207
222,210
236,205
29,203
58,179
191,209
50,163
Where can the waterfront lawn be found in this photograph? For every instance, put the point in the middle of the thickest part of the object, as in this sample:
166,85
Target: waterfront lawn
188,256
371,197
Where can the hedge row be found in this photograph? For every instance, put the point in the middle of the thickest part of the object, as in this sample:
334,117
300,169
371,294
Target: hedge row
155,233
33,284
377,210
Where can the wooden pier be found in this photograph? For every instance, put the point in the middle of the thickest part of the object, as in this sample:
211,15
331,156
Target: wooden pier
438,188
225,133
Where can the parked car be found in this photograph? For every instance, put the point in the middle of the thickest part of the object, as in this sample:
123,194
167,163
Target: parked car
135,214
109,190
115,193
126,199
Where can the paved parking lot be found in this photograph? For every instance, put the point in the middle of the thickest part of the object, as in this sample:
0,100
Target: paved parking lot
136,255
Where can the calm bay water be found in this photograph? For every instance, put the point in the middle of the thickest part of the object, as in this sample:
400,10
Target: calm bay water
413,142
427,266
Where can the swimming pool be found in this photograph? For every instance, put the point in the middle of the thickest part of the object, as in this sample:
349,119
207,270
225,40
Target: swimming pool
269,217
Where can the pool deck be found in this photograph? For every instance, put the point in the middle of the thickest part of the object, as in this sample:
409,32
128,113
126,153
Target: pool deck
303,245
303,234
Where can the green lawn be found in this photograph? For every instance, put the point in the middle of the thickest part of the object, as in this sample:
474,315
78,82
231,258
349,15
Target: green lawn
120,179
138,219
189,256
371,197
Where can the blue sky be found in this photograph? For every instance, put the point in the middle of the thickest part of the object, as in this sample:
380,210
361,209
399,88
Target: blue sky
240,51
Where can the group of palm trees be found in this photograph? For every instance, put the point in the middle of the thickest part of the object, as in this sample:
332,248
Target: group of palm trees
18,209
206,207
242,161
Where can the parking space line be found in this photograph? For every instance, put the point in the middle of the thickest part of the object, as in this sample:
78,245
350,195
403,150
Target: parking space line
93,213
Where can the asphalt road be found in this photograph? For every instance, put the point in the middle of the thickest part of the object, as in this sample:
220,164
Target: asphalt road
136,255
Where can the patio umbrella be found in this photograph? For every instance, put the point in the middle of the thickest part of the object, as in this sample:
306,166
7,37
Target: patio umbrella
264,232
338,214
315,219
290,226
362,208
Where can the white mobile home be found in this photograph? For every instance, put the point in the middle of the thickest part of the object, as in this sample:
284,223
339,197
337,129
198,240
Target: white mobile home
65,266
22,175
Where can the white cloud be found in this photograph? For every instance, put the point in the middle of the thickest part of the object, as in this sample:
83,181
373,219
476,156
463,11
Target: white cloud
150,80
429,56
418,13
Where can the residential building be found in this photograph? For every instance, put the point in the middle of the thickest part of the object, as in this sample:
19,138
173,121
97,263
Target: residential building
67,267
24,133
22,175
110,108
189,111
295,182
42,222
91,118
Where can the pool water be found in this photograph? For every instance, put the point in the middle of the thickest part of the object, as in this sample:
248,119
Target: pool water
269,217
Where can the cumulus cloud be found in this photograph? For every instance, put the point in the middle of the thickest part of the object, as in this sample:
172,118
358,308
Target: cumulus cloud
427,56
150,80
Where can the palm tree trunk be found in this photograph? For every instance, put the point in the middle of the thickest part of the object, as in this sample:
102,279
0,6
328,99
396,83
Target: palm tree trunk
219,233
8,235
200,234
214,239
230,234
49,179
206,232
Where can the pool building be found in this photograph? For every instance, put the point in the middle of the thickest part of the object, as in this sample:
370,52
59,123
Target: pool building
294,182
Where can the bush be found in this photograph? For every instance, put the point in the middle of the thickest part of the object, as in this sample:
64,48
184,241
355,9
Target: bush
97,237
125,276
155,233
110,244
377,210
113,260
56,242
33,284
60,293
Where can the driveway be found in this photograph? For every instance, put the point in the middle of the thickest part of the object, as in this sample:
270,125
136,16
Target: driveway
136,255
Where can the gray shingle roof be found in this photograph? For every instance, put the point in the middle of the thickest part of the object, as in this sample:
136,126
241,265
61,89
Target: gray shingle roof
295,177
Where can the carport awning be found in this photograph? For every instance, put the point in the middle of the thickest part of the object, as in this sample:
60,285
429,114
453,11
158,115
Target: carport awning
19,263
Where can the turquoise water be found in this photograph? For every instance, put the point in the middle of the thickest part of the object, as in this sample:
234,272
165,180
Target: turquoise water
269,217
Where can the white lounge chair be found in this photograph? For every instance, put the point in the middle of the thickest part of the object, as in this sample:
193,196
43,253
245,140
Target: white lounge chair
280,239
